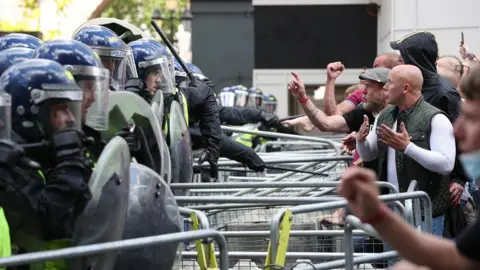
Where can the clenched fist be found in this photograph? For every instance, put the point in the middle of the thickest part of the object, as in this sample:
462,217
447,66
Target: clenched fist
334,70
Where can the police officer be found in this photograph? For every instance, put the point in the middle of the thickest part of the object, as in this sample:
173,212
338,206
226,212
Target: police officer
255,98
46,104
18,40
112,51
90,75
200,107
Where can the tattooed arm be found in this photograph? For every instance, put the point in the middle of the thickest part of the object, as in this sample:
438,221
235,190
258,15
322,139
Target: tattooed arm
334,123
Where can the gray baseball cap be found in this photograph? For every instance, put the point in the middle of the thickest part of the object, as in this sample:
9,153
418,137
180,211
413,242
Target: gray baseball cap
378,74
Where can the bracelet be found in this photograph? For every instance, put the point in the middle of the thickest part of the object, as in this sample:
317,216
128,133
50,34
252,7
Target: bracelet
303,100
376,218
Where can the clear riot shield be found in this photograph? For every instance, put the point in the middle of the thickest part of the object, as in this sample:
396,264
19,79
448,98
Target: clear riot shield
104,217
180,146
152,210
128,109
125,30
158,109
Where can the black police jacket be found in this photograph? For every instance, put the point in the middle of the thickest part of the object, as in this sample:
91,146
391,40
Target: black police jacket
54,197
203,109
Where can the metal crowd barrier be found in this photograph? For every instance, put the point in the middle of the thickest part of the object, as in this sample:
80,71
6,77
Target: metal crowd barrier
87,250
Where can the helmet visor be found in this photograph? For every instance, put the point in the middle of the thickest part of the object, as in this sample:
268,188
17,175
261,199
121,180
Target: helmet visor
227,99
171,67
94,83
255,100
270,106
62,105
116,61
158,76
131,70
242,97
5,116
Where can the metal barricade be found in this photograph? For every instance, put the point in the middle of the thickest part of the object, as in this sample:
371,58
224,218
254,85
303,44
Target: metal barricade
87,250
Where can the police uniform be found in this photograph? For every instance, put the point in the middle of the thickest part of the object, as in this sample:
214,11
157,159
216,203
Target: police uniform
54,193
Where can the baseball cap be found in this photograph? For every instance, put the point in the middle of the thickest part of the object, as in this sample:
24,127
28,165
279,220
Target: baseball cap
378,74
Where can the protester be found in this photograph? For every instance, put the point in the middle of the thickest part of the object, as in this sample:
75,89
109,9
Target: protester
411,140
358,187
451,68
334,70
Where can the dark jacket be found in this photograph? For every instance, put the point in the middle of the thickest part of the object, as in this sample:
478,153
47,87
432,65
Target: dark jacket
54,197
203,108
421,50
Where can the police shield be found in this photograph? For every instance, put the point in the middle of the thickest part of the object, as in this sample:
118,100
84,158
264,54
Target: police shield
180,146
152,210
125,30
158,109
127,109
104,217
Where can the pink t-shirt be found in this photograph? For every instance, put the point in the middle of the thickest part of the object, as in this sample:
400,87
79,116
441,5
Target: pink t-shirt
356,97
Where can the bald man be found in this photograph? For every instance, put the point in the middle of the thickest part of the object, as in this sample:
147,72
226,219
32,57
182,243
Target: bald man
451,68
412,140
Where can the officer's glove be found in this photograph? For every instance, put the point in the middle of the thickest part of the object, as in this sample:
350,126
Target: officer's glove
270,119
131,139
210,154
12,155
67,146
255,163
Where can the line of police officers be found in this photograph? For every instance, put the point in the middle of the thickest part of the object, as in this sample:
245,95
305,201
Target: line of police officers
54,103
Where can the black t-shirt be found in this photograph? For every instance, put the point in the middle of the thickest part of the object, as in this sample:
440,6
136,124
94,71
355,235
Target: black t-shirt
468,242
354,118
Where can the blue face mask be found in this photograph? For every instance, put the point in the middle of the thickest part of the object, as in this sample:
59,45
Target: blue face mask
471,164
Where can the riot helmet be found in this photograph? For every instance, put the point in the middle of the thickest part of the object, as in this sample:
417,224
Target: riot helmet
163,50
16,40
89,73
14,55
255,97
112,52
131,70
227,97
241,94
270,103
152,68
45,98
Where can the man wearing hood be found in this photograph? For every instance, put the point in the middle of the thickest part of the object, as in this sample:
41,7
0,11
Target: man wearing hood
421,50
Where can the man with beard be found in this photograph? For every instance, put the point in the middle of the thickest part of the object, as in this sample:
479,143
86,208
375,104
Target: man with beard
374,102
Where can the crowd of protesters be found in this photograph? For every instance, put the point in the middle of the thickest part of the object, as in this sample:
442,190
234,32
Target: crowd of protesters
415,116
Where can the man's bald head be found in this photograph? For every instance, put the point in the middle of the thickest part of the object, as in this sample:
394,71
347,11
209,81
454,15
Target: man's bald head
404,86
450,67
387,60
411,75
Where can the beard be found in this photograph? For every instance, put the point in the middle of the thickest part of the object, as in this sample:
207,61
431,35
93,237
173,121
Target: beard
373,106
